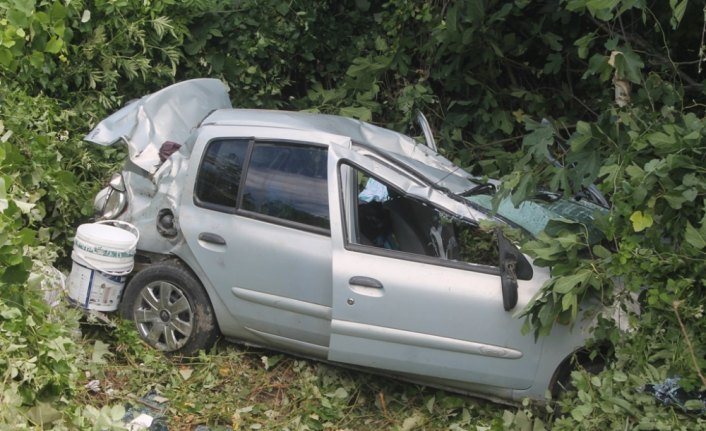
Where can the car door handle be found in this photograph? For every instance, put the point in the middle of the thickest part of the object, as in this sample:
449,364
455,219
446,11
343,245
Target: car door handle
365,282
212,238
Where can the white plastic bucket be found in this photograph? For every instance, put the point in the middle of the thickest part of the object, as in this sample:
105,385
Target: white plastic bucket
103,256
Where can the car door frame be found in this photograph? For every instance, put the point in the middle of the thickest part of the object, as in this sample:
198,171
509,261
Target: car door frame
392,349
250,311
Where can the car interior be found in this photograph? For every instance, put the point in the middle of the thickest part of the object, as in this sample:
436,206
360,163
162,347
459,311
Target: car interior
406,224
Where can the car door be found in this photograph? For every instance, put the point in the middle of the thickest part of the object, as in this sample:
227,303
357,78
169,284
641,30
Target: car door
256,218
406,299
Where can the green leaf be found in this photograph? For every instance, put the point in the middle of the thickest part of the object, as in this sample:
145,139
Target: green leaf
43,414
628,65
583,44
567,283
601,4
381,44
695,404
578,141
54,46
58,12
117,412
610,172
601,251
598,65
17,18
10,313
546,316
25,207
641,221
522,191
101,351
582,411
359,112
282,8
619,376
5,56
569,302
678,9
695,237
25,6
16,273
538,141
635,172
661,140
37,59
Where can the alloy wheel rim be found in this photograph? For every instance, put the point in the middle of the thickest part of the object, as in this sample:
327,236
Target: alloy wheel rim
163,316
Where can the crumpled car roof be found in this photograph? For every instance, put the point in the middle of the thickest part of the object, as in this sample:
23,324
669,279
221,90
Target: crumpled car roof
420,158
173,113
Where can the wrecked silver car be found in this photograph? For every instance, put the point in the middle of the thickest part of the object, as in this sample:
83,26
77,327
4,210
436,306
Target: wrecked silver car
325,237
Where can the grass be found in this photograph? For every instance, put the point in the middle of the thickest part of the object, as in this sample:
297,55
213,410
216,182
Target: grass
242,387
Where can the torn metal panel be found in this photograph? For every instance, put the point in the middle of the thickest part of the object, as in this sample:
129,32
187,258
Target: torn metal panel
170,114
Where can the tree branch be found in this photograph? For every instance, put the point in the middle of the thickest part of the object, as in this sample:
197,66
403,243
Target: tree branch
642,43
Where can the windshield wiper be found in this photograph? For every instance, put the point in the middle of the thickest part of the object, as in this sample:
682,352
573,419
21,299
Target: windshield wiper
480,189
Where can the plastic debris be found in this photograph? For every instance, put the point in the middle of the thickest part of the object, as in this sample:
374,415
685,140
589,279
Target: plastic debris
94,386
374,192
142,422
147,413
670,393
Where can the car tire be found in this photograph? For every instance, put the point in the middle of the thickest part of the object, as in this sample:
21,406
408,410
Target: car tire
170,309
563,383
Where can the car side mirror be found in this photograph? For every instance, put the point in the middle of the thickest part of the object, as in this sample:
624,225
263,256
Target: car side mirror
513,266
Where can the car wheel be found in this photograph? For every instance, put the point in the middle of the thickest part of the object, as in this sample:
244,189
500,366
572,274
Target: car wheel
170,309
563,384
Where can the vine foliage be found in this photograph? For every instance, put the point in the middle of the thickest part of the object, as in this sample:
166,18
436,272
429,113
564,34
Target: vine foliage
557,95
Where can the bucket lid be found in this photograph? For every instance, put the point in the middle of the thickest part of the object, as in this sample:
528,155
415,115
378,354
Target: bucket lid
105,236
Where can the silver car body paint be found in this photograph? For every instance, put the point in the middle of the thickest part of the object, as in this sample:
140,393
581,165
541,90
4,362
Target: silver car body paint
295,290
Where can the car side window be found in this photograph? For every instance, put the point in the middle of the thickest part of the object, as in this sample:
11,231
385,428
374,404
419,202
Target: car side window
388,219
219,174
288,181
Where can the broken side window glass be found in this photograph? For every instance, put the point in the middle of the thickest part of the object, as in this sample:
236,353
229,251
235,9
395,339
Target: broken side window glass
386,218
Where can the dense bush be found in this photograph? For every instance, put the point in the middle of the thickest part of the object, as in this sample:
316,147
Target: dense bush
611,89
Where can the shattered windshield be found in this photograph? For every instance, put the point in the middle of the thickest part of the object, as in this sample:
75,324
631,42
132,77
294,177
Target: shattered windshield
533,215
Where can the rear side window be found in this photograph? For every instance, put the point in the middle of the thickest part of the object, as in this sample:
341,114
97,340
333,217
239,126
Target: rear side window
288,182
219,177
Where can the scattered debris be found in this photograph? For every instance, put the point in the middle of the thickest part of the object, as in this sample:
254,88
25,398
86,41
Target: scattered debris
94,386
142,422
670,393
148,415
185,372
51,281
101,317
